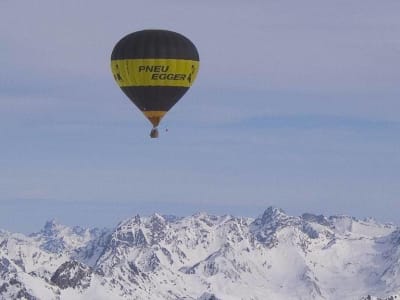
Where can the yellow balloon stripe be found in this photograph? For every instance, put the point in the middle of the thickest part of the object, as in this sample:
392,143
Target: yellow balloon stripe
154,72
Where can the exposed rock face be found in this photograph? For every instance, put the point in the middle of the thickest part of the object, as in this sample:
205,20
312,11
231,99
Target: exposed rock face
208,296
72,274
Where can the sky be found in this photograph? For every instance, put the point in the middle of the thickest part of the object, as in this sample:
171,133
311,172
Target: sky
296,105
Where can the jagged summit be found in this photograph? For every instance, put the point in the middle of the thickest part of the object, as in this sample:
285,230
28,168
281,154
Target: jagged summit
320,219
52,227
274,211
272,215
205,256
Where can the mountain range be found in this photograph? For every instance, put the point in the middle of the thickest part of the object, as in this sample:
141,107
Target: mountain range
205,257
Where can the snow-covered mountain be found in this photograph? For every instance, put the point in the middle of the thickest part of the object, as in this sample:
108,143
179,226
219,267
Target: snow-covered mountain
205,257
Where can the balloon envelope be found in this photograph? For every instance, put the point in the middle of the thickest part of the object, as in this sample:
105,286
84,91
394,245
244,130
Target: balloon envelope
154,68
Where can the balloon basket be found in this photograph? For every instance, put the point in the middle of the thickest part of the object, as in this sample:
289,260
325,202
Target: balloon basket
154,133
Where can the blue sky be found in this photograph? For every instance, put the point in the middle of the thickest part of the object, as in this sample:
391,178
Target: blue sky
296,105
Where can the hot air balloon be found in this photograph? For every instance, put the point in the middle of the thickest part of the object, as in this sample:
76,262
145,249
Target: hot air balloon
154,68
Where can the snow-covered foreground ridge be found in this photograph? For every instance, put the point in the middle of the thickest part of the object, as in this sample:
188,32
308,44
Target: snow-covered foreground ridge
274,256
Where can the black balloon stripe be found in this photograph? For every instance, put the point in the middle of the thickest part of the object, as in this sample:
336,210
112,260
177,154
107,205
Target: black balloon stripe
142,44
159,98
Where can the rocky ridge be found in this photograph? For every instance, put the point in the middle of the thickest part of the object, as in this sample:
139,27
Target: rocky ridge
205,257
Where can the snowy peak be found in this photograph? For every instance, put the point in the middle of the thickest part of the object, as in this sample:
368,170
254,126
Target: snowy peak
129,236
319,219
265,227
274,213
52,228
271,215
139,231
353,227
273,219
57,238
